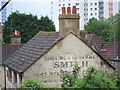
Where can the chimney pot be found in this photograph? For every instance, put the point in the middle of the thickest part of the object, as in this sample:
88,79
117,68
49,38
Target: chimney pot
15,32
68,10
63,10
18,33
74,10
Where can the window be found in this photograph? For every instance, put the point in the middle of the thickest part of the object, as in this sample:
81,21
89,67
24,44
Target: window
95,8
95,4
91,14
77,4
95,14
91,9
9,75
90,3
63,4
59,0
15,77
77,8
68,4
59,5
59,10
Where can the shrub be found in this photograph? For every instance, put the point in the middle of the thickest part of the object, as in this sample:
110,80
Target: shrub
93,79
31,84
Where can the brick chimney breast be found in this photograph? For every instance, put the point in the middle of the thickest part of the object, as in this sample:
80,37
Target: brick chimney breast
69,23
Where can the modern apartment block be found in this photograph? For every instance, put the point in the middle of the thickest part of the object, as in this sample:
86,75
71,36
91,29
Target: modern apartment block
119,6
100,9
6,11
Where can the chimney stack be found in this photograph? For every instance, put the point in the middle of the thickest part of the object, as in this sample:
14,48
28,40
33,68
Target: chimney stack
69,22
15,38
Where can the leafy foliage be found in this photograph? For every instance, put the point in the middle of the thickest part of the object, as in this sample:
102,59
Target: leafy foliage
32,84
105,29
97,79
46,24
99,27
93,79
115,32
28,25
69,79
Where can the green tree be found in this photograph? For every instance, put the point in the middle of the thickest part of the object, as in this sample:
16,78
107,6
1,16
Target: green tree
93,79
114,21
46,24
99,27
28,25
108,30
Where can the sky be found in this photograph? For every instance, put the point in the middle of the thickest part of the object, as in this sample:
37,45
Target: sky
35,7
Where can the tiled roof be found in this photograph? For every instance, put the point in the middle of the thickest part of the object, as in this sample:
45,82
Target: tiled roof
109,50
90,39
31,51
34,49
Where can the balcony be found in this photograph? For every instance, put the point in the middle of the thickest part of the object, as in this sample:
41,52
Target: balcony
101,15
101,10
101,5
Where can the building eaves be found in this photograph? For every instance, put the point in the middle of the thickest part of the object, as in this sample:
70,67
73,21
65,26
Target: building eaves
31,51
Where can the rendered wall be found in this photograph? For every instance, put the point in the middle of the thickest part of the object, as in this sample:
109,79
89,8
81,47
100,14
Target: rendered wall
64,55
2,78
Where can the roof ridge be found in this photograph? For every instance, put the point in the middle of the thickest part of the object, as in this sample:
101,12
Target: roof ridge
42,32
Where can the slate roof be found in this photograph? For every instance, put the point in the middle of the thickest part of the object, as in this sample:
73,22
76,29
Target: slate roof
9,49
31,51
35,48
